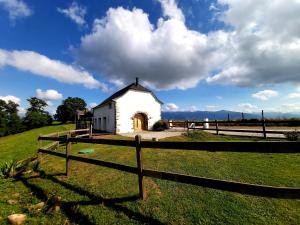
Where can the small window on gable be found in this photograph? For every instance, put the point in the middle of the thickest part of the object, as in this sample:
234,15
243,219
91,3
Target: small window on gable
109,105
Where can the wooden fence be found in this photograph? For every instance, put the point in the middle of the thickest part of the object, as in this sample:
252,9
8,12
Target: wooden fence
199,125
141,172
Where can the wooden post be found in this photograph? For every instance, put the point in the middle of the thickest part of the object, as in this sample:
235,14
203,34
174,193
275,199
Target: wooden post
217,127
263,124
243,117
139,161
39,142
68,149
187,126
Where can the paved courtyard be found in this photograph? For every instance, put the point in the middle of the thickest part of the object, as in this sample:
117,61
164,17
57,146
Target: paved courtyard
154,134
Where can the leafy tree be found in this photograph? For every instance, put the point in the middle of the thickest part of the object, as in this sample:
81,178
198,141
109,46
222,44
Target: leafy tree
36,116
67,110
3,118
10,122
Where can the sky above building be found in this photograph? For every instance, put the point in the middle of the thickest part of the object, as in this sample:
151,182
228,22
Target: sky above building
194,54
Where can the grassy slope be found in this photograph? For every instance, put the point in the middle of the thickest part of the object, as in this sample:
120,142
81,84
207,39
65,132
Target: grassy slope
24,144
101,195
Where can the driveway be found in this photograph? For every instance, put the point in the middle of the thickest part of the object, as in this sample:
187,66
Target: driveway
154,134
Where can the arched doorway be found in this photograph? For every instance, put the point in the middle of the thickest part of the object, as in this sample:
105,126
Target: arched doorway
140,121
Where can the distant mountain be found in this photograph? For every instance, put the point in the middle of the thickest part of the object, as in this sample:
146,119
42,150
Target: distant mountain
223,115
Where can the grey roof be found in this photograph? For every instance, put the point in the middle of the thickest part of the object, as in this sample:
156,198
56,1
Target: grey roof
133,86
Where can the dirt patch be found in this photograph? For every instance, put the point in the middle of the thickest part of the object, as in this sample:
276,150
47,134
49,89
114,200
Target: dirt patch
151,188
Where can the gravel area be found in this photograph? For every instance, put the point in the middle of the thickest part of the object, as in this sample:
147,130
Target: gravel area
154,134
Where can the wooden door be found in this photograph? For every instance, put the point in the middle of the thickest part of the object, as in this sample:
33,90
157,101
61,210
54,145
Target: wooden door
139,122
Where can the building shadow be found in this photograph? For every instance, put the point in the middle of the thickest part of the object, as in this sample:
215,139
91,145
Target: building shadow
69,207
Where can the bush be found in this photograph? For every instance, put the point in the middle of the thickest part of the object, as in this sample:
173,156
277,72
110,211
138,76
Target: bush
293,135
160,125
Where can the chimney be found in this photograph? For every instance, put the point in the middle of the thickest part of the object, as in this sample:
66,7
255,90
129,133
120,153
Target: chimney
136,81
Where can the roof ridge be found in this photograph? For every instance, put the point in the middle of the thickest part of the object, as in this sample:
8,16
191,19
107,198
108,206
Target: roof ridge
132,86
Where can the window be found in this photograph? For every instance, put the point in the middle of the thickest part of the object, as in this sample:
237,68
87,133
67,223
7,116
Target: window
99,123
109,105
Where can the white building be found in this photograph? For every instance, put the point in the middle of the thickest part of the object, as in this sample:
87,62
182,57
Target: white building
130,109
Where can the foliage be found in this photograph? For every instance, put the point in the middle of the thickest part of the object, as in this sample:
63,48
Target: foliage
10,122
36,116
160,125
293,135
10,169
67,110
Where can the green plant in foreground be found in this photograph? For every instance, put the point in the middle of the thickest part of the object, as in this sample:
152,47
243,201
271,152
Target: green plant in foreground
13,168
7,169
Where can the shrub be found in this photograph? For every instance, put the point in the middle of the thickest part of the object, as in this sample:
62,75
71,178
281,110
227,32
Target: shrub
293,135
160,125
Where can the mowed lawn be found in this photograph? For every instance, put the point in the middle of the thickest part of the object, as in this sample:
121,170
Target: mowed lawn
97,195
22,145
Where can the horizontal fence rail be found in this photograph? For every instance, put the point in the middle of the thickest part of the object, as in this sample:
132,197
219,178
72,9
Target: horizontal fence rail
191,125
218,184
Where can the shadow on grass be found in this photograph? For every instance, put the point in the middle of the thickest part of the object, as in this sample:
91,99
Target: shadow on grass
69,207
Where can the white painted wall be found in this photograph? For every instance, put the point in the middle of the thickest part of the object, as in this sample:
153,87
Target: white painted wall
133,102
102,113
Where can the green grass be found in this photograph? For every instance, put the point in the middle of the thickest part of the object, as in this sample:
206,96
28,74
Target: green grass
97,195
22,145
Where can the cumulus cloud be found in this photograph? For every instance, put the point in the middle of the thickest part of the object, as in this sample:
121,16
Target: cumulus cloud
264,44
124,45
247,107
16,8
265,94
294,95
41,65
48,95
92,105
171,10
211,108
171,107
75,12
11,98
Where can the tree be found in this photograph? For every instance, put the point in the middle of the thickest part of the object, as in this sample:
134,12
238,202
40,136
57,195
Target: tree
36,116
10,122
67,110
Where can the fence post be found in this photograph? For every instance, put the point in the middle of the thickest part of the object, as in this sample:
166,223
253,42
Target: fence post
217,127
263,124
139,160
68,149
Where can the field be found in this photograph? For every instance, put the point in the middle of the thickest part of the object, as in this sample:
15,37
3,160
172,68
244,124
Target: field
96,195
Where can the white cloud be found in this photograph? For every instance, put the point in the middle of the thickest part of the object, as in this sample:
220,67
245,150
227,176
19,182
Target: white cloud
75,12
247,107
193,108
16,8
219,97
294,95
211,108
264,44
265,94
41,65
171,10
11,98
48,95
261,48
171,107
124,45
92,105
290,107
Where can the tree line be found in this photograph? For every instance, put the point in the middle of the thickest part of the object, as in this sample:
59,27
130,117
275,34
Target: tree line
36,115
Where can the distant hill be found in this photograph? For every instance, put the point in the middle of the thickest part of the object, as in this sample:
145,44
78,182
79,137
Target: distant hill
223,114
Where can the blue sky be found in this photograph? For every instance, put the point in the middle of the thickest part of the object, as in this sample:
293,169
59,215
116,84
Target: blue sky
195,55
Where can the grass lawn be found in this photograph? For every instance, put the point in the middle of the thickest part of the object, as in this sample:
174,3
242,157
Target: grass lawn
96,195
22,145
